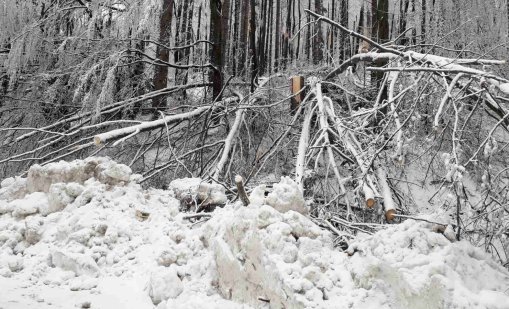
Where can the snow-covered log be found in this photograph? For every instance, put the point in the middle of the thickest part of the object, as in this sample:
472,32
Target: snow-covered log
228,142
149,125
389,205
324,126
303,146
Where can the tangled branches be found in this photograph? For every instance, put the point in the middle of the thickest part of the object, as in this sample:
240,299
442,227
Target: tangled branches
364,150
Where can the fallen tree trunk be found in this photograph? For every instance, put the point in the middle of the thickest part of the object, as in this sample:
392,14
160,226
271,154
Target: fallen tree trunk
389,205
125,133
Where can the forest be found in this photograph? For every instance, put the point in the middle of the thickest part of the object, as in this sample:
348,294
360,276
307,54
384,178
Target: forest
372,132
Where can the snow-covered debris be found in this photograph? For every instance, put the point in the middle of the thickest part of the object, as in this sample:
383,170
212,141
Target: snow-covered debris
422,269
285,196
40,178
33,226
260,252
29,205
194,192
164,284
12,188
78,263
92,250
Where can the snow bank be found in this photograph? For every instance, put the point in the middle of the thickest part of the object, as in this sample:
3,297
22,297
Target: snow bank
69,236
286,259
40,178
90,250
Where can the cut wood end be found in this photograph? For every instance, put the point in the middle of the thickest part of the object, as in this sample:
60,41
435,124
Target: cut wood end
239,179
370,202
390,215
97,141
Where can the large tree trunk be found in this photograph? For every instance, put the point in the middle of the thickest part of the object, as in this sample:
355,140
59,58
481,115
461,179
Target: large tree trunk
243,40
216,51
262,37
382,21
277,51
252,44
286,34
403,9
344,38
318,36
161,72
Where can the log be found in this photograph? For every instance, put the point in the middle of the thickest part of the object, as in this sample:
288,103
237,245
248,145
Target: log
369,195
303,146
389,205
128,132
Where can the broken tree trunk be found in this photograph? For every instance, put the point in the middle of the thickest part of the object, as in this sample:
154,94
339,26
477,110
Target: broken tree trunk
303,146
297,86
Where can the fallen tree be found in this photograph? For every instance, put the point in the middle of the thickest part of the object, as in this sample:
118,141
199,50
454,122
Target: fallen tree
347,141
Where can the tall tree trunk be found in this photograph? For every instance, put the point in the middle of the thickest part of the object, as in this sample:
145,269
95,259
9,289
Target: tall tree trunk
332,30
261,38
235,42
308,33
216,51
413,37
344,38
183,37
243,41
161,72
269,37
318,36
297,49
382,20
403,9
286,34
252,44
277,43
188,53
423,23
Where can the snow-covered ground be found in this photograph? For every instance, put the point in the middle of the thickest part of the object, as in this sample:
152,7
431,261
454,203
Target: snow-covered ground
77,235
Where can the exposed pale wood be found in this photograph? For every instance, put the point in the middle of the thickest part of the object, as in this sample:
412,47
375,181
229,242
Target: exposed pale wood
297,83
389,205
239,182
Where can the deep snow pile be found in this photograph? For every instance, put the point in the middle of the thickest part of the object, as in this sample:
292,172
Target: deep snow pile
70,236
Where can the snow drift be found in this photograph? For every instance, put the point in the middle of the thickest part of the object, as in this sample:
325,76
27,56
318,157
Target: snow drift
69,236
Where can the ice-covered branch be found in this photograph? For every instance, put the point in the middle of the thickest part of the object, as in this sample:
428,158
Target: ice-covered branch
150,125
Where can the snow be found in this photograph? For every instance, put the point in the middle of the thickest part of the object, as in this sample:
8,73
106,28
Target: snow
90,250
285,196
194,192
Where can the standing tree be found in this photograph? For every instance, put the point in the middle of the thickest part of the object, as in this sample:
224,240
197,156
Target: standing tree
217,38
161,71
318,36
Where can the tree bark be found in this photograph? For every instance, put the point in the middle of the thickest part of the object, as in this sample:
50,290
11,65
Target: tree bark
252,45
216,51
161,72
277,43
318,36
243,40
